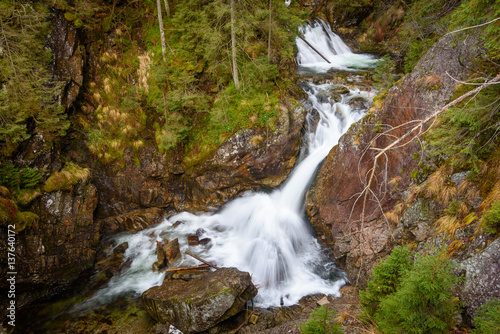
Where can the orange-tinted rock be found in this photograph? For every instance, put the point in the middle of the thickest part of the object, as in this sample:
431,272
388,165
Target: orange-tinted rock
334,204
193,240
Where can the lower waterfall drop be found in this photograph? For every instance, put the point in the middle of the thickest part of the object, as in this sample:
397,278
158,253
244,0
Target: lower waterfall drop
265,233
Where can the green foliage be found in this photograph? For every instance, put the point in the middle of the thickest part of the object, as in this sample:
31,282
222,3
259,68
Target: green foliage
491,218
321,321
424,22
191,98
423,301
29,177
27,92
385,279
383,75
13,178
467,133
476,12
488,318
9,175
66,178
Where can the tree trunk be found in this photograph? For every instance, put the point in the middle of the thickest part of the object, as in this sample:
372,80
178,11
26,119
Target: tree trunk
162,34
167,7
233,48
269,37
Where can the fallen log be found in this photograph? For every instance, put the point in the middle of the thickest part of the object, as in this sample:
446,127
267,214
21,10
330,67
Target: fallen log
201,260
312,47
201,266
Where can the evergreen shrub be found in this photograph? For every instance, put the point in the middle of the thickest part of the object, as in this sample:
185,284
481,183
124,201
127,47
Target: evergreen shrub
488,318
321,321
385,279
423,302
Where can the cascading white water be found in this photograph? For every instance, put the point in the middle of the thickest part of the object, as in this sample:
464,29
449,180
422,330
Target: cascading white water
331,46
262,233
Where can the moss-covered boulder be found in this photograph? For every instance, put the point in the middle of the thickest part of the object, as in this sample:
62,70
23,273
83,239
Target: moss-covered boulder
198,304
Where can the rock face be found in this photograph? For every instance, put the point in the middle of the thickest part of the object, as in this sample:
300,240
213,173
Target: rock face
62,244
132,221
69,57
482,282
200,303
250,159
337,211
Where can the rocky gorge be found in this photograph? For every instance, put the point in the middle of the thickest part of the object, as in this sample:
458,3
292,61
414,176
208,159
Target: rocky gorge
70,238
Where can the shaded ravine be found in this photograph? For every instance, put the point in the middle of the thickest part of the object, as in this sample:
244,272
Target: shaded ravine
263,233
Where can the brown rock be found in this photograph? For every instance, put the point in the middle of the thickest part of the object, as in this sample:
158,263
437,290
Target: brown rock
172,250
193,240
132,221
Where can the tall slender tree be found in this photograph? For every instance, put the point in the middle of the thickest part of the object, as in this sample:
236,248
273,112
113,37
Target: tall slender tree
233,48
269,37
162,34
167,8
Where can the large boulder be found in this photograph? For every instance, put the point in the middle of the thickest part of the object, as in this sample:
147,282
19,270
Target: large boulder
198,304
482,278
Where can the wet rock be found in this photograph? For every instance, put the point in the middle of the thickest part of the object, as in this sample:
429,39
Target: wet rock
167,253
193,240
359,103
109,266
172,250
198,304
205,241
61,245
333,204
132,221
482,278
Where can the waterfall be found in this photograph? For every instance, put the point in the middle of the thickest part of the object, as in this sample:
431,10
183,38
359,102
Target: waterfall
331,46
264,233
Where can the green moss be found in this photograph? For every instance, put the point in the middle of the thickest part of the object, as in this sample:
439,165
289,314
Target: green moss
70,175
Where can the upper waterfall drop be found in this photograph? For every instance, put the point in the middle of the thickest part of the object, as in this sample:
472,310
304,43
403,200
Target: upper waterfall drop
331,46
262,233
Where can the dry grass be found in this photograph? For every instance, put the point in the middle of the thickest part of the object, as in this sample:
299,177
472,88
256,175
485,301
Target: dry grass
392,218
455,247
469,190
448,224
432,81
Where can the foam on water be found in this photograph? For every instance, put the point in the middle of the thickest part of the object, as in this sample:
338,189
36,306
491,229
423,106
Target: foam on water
331,46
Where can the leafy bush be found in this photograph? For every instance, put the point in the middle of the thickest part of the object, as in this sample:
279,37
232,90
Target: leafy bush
423,301
385,279
321,321
488,318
